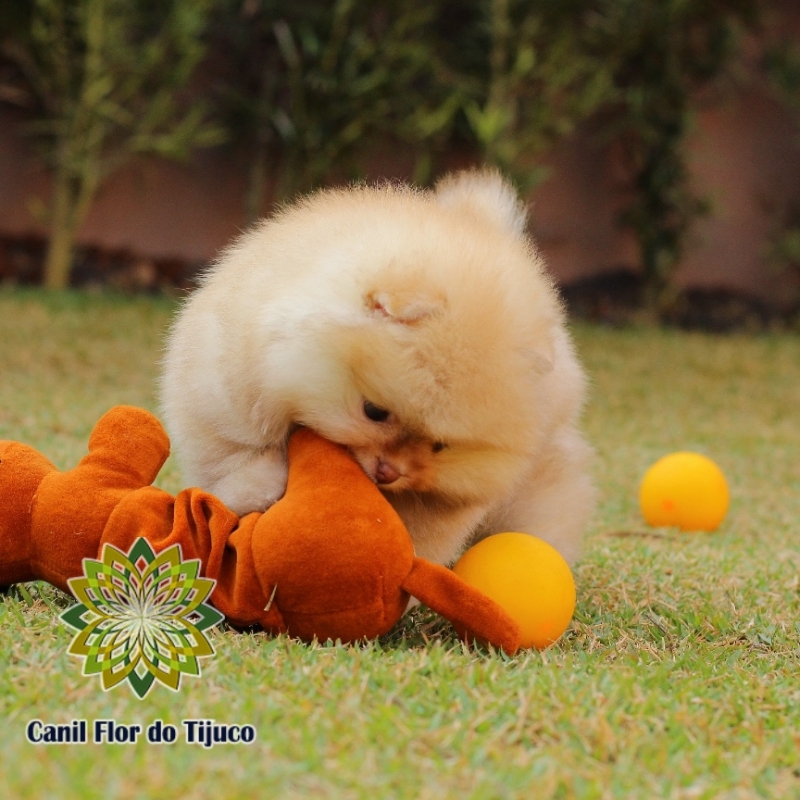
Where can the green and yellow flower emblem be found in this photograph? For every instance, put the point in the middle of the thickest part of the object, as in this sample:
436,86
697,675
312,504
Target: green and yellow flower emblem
141,617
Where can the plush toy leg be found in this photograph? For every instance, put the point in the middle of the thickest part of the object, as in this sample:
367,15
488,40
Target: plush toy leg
467,608
22,470
127,448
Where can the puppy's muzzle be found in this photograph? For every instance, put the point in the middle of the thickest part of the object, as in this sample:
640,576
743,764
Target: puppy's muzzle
386,473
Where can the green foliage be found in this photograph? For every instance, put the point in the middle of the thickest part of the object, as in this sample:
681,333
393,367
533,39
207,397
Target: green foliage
664,52
306,85
782,64
312,85
527,74
106,76
500,79
309,90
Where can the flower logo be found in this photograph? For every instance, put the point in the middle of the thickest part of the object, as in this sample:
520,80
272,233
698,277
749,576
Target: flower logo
140,617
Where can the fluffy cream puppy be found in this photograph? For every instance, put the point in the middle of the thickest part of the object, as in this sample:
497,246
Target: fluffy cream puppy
417,328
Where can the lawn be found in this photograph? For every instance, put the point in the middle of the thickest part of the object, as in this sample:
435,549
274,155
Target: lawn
679,677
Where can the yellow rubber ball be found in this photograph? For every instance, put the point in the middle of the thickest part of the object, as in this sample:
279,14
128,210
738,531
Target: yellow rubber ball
684,490
528,578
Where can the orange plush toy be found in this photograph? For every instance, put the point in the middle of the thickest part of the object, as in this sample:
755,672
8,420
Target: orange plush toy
330,560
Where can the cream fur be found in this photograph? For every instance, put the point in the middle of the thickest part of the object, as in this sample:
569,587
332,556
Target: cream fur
431,305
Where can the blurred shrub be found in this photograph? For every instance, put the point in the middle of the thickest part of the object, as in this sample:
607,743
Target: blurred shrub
505,79
783,68
304,89
306,86
664,53
104,76
527,73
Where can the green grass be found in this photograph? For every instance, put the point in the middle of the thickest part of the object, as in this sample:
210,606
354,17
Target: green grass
679,678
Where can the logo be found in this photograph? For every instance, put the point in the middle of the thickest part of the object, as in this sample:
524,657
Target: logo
141,617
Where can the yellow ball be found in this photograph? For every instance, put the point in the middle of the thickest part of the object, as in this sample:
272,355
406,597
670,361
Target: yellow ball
528,578
684,490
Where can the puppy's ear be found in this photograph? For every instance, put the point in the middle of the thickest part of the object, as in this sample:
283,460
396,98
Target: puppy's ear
486,193
404,306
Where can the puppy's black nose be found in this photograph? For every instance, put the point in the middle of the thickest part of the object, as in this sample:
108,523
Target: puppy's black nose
386,473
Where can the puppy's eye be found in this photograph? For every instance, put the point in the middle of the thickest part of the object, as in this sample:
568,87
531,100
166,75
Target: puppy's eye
437,447
375,413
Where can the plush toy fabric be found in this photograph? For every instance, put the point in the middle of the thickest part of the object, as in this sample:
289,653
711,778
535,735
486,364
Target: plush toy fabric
330,560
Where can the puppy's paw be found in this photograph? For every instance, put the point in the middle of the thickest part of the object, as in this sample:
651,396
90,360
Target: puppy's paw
253,485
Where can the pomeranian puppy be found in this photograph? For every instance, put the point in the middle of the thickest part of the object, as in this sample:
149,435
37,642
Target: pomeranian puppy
418,329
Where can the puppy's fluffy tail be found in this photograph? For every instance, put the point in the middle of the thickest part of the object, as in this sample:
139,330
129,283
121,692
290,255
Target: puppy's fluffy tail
486,193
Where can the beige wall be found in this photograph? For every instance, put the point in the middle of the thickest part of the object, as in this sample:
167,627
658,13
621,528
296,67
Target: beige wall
745,157
152,207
